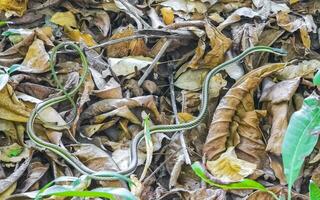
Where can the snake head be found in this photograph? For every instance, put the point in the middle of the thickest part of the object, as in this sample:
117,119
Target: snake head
279,51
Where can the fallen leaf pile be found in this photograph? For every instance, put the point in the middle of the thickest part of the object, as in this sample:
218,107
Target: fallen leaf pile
151,57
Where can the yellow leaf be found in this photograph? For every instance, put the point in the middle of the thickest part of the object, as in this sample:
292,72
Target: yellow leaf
8,192
219,46
167,15
76,35
64,19
305,37
293,1
184,117
11,108
122,49
37,59
228,168
13,7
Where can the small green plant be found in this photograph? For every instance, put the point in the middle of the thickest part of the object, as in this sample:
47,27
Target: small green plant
244,184
301,136
3,23
15,152
314,191
78,188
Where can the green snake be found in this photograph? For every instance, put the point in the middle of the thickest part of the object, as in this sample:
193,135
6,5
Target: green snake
107,175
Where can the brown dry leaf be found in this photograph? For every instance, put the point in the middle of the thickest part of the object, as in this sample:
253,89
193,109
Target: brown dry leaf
11,108
108,105
12,178
167,15
234,102
246,134
193,79
36,170
111,90
204,193
17,52
14,131
306,41
194,63
102,21
46,35
228,168
305,69
37,59
93,157
64,19
185,117
288,22
13,7
133,47
279,96
123,112
219,46
77,36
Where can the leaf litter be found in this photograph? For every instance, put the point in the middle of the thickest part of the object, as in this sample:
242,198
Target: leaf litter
135,50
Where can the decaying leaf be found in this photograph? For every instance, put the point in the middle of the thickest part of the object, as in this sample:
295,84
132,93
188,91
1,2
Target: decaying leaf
64,19
11,108
77,36
167,15
219,45
37,59
13,7
238,100
133,47
127,65
13,153
228,168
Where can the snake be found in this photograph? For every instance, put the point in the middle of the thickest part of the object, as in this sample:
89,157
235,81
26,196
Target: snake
133,162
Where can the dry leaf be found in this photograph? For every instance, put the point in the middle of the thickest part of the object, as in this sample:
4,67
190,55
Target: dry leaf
64,19
167,15
219,46
13,153
37,59
11,108
127,65
306,41
228,168
111,90
193,79
133,47
13,7
237,100
76,35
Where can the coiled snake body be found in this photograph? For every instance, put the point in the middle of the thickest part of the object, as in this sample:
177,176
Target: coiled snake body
107,175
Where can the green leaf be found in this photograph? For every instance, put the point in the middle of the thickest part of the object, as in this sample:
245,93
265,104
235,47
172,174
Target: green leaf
110,193
300,138
314,191
316,78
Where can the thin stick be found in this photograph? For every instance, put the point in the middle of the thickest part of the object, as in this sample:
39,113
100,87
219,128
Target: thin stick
175,111
155,61
125,4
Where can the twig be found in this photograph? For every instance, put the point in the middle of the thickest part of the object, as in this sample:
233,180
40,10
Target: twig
175,111
155,61
127,5
197,23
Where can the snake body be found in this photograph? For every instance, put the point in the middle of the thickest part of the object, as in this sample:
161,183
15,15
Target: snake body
107,175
